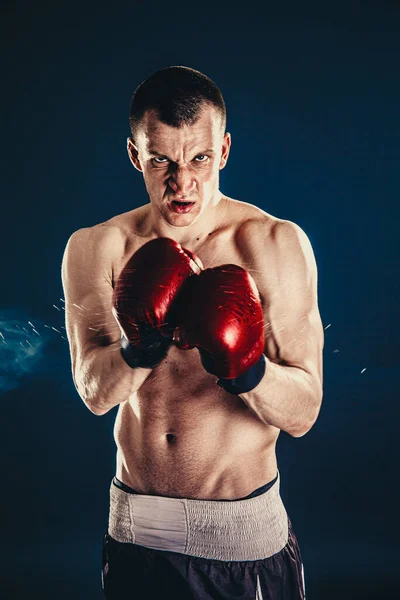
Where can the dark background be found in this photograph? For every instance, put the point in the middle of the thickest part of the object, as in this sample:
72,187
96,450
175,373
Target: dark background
313,100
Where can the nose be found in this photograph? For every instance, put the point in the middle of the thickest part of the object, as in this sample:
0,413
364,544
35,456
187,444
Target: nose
182,181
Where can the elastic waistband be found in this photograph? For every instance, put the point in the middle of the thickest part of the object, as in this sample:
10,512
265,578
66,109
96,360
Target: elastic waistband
254,493
250,529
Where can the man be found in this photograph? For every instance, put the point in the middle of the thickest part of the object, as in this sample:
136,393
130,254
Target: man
200,322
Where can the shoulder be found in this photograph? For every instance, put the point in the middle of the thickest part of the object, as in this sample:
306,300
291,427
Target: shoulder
91,252
279,253
96,239
108,235
116,228
277,236
256,228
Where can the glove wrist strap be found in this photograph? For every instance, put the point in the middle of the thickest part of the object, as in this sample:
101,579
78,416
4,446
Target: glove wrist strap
246,381
145,358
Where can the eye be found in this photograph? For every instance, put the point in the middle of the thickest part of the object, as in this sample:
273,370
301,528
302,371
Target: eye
201,158
160,160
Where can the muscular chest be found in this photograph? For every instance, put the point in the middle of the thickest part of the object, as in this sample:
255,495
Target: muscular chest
224,250
218,249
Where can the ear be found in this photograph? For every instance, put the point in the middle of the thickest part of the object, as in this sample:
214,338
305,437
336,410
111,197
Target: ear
133,154
226,146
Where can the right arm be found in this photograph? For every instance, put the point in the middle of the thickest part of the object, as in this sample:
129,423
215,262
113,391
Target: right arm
101,376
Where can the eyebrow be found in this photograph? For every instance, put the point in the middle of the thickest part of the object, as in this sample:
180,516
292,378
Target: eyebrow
156,153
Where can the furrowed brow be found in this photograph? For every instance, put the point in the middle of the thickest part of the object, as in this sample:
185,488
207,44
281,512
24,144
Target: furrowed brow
155,152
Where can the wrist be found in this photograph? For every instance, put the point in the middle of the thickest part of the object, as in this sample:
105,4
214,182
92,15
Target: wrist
246,381
146,358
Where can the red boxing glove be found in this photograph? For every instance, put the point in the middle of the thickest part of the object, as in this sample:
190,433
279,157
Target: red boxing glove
143,294
220,313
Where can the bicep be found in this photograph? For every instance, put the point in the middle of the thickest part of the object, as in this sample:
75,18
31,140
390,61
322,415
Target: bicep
87,284
294,329
283,265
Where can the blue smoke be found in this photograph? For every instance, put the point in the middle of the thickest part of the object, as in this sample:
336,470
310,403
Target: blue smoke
22,347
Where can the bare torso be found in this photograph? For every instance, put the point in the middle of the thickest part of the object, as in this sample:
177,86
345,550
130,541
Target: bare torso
181,435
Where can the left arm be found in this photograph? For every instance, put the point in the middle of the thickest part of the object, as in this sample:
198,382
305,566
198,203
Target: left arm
283,265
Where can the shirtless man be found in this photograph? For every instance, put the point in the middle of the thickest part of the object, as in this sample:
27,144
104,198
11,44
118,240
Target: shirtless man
195,508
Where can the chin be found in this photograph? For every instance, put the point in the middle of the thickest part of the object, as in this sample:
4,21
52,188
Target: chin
182,220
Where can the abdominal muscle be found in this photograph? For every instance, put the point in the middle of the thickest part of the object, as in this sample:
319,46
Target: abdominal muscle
182,436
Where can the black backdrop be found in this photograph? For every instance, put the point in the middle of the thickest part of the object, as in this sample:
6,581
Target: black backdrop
313,99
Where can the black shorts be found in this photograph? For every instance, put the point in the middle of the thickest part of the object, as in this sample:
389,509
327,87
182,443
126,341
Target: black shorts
134,571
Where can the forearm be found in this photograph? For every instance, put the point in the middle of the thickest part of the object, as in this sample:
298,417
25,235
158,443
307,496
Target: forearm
286,398
104,380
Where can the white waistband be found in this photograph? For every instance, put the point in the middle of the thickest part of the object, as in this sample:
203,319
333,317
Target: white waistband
249,529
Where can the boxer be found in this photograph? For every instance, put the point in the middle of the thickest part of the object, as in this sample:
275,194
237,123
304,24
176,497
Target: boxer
201,325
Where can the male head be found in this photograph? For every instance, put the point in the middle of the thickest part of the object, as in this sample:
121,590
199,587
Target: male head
179,142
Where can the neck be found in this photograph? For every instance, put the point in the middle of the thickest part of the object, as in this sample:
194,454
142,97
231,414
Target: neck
190,235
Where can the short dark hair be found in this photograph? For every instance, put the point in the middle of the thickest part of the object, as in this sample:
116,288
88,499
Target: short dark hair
178,95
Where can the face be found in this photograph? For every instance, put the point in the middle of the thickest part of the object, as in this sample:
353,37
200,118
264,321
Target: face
181,166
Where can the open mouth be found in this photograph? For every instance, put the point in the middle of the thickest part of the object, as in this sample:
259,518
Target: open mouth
181,207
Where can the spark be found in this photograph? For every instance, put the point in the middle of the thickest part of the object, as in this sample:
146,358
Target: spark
327,326
29,343
59,310
26,331
363,371
81,307
54,329
335,351
62,300
2,335
31,324
34,331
